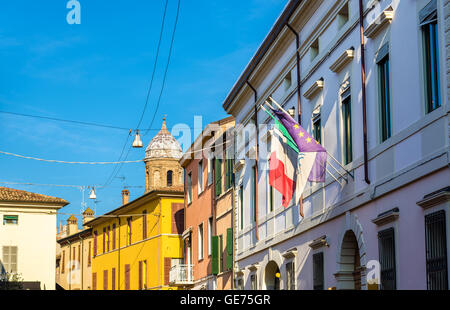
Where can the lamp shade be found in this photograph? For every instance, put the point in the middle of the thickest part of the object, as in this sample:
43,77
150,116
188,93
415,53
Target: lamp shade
137,143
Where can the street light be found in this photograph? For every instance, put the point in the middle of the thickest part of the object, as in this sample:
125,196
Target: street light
137,143
93,195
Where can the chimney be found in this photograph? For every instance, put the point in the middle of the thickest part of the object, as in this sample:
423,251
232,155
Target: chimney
125,196
88,215
72,225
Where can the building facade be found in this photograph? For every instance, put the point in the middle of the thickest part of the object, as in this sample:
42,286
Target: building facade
382,114
136,245
27,236
208,209
74,254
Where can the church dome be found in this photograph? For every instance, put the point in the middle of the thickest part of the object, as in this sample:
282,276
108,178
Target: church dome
163,145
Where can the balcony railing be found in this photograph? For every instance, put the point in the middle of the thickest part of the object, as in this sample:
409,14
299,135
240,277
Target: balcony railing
181,275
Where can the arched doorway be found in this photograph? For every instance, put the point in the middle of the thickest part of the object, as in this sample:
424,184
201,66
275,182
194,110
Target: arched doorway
349,275
272,276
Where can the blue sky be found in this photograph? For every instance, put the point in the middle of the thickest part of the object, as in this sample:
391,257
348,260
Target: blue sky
99,71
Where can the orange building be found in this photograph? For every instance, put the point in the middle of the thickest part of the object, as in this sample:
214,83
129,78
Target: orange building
208,237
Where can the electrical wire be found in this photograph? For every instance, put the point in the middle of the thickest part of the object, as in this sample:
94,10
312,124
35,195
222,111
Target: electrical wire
104,162
73,121
155,63
72,162
167,65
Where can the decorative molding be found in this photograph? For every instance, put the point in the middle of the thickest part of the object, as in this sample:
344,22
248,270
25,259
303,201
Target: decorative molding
239,165
186,233
251,153
253,267
240,273
439,197
319,242
314,89
343,60
386,217
379,23
291,253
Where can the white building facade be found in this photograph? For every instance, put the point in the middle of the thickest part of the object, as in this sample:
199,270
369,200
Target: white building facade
27,237
382,221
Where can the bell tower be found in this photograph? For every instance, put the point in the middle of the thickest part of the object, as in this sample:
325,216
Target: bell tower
162,169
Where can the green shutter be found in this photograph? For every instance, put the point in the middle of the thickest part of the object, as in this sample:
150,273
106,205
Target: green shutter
229,248
218,177
221,252
215,255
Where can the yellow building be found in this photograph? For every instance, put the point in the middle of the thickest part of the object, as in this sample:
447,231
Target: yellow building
136,245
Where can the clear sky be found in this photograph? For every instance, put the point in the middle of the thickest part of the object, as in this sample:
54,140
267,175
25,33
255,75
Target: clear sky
99,71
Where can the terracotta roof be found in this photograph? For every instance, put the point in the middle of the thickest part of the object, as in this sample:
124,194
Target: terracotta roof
10,194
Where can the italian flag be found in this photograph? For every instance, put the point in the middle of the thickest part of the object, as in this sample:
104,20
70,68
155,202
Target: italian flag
281,167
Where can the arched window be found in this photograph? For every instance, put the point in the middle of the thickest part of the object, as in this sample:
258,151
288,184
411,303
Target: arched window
169,177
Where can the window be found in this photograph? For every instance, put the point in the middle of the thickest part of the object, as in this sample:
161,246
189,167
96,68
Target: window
241,202
79,256
94,281
105,280
314,49
127,276
253,282
436,251
189,184
73,258
95,243
63,263
317,128
144,224
290,276
129,230
200,242
108,240
229,251
240,284
215,255
343,16
210,175
347,126
210,223
169,178
104,239
218,177
287,82
114,237
200,177
318,271
89,254
428,23
10,219
254,193
10,259
386,248
228,170
385,92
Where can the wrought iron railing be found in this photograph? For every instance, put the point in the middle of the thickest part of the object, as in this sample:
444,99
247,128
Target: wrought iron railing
181,275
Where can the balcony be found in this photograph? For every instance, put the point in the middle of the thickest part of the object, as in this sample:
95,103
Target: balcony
181,275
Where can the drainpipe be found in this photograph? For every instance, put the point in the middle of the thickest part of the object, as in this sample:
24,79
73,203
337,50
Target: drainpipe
363,88
118,255
81,258
297,44
70,266
256,157
299,107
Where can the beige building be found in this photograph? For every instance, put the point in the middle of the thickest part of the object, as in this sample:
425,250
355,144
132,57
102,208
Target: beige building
27,236
74,254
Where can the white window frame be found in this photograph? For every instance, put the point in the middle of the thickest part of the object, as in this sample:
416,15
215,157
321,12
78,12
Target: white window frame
200,177
200,242
210,222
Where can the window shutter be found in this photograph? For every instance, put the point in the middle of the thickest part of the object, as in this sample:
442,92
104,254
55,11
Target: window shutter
229,248
218,177
105,279
95,243
127,276
386,248
215,255
94,281
221,252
